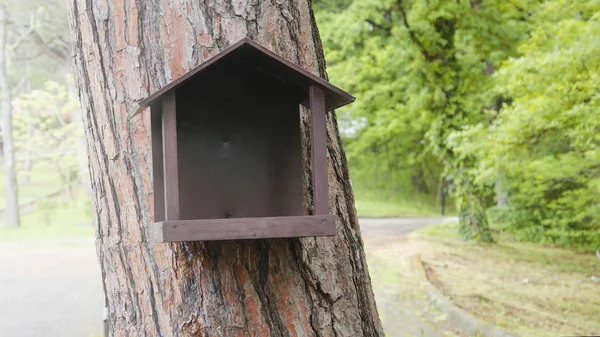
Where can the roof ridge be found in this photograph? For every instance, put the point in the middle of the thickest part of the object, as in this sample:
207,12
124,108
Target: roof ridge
343,96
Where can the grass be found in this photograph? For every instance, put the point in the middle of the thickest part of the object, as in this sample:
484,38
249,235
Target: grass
373,203
64,220
522,287
43,179
53,218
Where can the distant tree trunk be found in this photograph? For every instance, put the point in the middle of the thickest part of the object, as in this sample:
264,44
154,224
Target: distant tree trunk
376,167
390,168
28,163
78,134
440,189
500,189
125,50
11,212
28,150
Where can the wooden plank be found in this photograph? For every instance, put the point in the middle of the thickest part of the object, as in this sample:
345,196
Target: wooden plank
157,163
170,163
338,97
319,151
242,228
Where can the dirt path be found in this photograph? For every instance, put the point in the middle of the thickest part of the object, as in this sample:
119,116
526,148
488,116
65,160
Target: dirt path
54,289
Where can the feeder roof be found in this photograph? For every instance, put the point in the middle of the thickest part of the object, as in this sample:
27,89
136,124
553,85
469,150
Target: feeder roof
252,54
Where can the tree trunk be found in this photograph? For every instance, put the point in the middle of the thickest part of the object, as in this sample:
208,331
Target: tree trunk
125,50
376,168
11,213
500,189
28,165
390,168
28,150
78,136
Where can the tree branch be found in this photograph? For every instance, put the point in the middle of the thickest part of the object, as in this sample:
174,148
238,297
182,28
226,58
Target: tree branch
376,25
412,34
21,38
58,55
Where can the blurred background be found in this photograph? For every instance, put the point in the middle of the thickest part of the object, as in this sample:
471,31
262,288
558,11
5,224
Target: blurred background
487,111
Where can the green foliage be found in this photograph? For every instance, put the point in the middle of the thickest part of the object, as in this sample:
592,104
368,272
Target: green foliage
544,145
420,71
502,96
45,208
378,131
44,129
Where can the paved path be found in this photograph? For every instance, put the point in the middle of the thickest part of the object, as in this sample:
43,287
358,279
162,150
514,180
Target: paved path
384,227
50,291
403,307
53,289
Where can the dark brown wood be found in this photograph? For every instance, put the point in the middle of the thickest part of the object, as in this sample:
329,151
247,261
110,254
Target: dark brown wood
319,151
157,162
244,228
239,147
267,62
170,162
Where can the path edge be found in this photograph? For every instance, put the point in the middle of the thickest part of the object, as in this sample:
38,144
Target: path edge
456,316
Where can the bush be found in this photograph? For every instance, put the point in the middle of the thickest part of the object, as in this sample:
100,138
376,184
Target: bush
544,147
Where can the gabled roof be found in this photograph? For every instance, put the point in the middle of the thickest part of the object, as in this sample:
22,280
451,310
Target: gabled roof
249,51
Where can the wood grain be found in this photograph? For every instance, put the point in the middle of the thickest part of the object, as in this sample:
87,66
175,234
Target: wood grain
243,228
319,151
157,163
170,162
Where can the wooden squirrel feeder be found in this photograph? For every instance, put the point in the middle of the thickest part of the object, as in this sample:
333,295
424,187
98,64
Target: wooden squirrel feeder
226,149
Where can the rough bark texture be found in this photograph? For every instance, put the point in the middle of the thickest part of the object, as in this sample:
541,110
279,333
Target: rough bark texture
11,213
124,50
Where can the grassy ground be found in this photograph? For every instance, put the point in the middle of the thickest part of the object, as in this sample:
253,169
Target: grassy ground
53,218
524,288
70,220
43,179
372,203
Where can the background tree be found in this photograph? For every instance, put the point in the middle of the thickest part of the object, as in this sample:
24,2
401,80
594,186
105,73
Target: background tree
545,140
491,93
42,55
422,72
11,212
35,50
303,287
45,129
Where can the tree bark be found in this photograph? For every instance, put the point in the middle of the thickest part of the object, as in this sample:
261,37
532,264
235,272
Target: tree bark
123,51
11,213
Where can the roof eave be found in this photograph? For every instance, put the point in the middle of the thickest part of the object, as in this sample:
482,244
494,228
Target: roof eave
146,102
